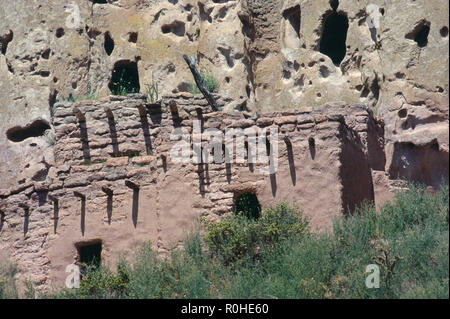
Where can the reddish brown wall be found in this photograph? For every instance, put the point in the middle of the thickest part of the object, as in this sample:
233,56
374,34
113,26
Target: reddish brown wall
172,197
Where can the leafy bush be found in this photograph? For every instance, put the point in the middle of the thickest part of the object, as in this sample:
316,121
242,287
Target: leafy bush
7,282
209,81
99,283
275,256
239,237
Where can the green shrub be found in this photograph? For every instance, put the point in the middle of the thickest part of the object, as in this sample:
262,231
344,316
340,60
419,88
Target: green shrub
239,237
8,289
152,91
209,81
275,256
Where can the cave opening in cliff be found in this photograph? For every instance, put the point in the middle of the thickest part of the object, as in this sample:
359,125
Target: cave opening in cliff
334,35
125,78
248,205
34,129
5,40
109,43
420,33
422,36
89,254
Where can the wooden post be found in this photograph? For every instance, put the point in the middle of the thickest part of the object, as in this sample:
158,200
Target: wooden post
109,113
80,116
199,82
132,185
107,191
79,195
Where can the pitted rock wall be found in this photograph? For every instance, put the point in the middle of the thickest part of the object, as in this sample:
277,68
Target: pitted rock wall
265,54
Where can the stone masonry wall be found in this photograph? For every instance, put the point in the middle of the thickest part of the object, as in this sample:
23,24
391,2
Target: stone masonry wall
113,180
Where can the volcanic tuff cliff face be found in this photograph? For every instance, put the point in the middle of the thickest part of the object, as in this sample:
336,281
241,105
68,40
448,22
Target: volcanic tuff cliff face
267,55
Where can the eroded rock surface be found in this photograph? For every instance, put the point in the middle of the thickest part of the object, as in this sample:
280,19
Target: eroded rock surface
266,55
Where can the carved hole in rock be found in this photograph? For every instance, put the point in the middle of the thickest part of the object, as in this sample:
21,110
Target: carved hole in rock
286,74
125,78
34,129
4,41
60,32
89,254
324,71
248,205
132,37
334,36
176,27
109,43
403,113
99,1
420,33
92,32
444,32
422,37
46,54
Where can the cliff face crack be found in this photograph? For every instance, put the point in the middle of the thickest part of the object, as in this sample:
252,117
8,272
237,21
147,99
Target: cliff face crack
34,129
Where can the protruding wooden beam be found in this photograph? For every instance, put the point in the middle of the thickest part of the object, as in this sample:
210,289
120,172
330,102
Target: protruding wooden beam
173,106
79,195
53,198
80,116
132,185
142,110
108,191
198,80
109,113
26,208
24,205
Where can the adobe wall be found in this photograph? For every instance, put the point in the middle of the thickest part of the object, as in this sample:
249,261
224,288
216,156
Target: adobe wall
105,149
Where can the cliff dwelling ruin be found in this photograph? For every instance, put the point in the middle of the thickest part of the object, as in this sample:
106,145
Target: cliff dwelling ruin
91,98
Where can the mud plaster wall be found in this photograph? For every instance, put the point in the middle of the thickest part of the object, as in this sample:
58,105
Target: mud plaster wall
43,220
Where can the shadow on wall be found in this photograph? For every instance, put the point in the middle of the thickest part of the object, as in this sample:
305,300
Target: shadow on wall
423,164
355,173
